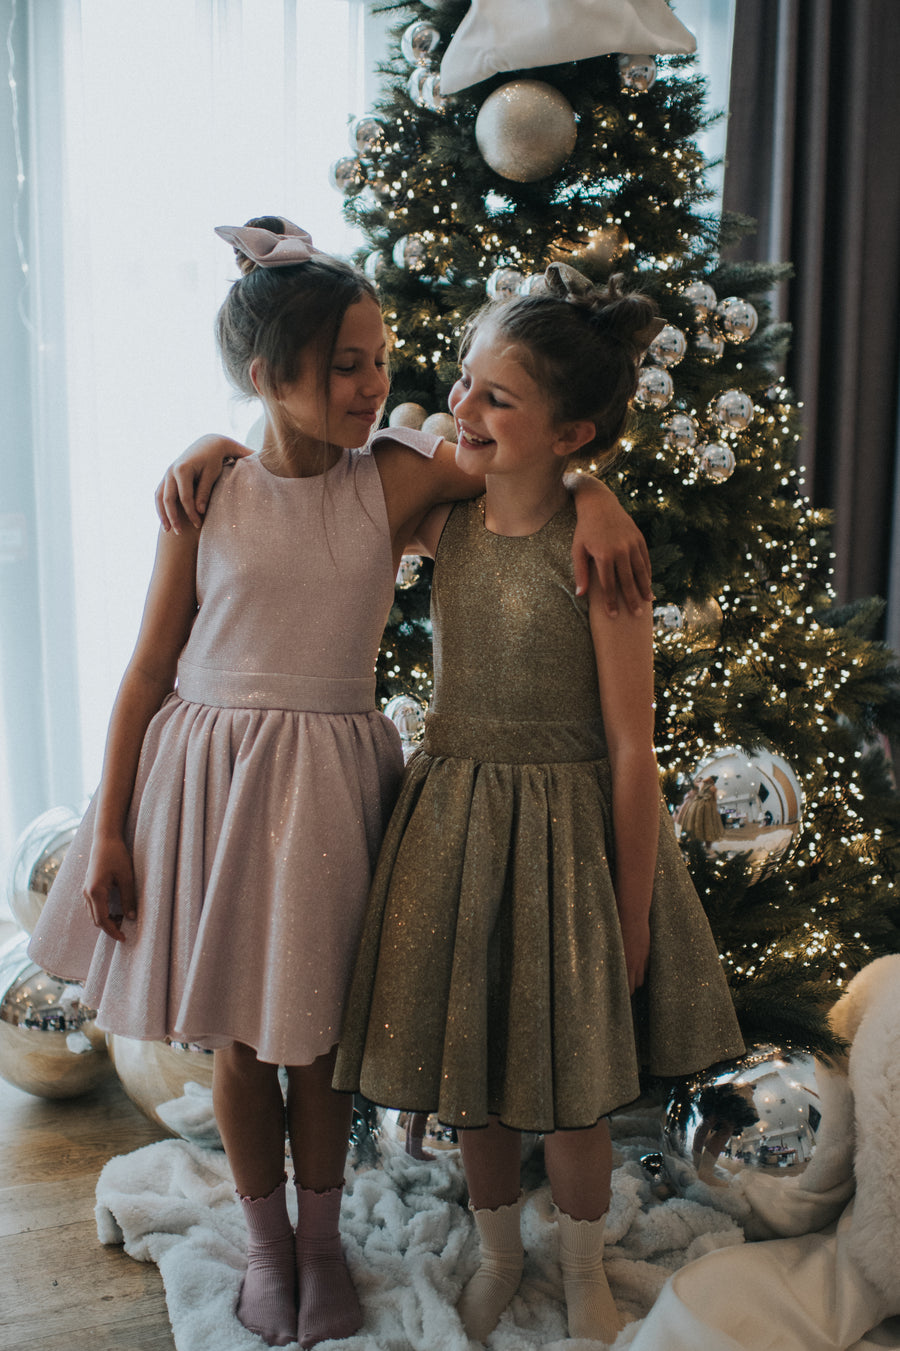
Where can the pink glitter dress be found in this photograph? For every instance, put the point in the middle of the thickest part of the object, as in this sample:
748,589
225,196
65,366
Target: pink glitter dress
265,781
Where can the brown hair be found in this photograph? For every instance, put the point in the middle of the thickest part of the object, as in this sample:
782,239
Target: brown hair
275,313
583,346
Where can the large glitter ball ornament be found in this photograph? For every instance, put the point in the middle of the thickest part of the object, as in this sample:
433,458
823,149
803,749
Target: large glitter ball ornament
703,621
408,716
669,346
679,432
715,461
766,1114
504,283
654,387
408,415
668,619
744,802
702,297
738,318
708,344
408,572
368,136
603,245
440,424
733,409
170,1081
36,859
525,130
347,175
637,73
420,40
50,1044
411,252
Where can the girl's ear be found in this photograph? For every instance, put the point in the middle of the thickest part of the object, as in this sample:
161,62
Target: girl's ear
256,366
571,436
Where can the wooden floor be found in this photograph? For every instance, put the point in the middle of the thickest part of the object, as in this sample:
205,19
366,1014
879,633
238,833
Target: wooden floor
59,1287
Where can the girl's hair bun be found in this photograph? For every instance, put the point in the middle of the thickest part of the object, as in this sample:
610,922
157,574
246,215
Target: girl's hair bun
273,223
630,317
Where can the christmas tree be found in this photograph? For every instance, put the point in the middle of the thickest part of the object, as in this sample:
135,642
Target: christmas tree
773,703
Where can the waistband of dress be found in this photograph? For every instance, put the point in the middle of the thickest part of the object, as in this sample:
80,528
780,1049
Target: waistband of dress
512,741
274,689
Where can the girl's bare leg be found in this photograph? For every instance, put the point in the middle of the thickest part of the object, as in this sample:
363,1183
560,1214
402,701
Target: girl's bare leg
579,1166
492,1160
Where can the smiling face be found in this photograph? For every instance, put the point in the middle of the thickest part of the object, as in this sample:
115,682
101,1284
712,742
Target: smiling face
345,413
505,421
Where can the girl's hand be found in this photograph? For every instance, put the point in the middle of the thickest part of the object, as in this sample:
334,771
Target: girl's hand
109,886
607,534
183,495
636,940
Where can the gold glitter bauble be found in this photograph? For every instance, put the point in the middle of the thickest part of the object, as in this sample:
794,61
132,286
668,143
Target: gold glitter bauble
408,415
525,130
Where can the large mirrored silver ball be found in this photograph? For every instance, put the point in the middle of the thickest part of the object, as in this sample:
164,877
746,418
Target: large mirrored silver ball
36,859
716,461
408,571
733,409
418,42
669,346
411,252
171,1082
702,297
637,73
504,283
679,431
654,387
347,175
743,802
525,130
764,1115
49,1041
431,95
708,345
408,716
668,619
368,136
738,318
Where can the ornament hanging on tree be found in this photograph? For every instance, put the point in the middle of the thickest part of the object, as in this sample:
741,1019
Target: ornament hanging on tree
668,619
431,96
498,35
504,283
368,136
419,41
716,461
408,415
602,246
415,85
679,432
654,387
440,424
411,252
669,346
408,572
637,73
347,175
703,621
738,318
525,130
708,345
373,267
702,297
408,716
733,409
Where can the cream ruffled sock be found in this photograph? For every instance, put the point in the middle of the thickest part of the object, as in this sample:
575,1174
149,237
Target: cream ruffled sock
590,1306
497,1279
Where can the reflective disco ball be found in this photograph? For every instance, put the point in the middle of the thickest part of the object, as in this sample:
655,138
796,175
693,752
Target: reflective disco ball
525,130
50,1044
743,802
765,1114
170,1081
36,859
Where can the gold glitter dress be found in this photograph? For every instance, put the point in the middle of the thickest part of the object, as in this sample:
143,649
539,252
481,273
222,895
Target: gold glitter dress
491,976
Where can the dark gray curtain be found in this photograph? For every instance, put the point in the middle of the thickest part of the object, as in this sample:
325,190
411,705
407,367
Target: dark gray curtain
813,153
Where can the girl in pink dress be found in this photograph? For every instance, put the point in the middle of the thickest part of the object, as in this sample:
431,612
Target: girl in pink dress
248,776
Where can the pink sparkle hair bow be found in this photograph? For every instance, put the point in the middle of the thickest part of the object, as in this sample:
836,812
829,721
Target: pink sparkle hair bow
267,249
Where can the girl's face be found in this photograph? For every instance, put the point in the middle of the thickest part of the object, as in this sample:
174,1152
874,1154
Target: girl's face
346,413
505,421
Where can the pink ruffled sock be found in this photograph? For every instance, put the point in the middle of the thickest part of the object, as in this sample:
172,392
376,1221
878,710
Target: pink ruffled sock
329,1306
267,1304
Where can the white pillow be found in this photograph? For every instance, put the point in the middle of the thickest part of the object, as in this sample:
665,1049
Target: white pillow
500,35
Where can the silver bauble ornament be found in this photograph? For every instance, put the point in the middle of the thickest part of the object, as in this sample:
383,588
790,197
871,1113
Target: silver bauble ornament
703,621
171,1083
408,716
415,85
702,297
764,1114
738,318
637,73
603,245
347,175
669,346
654,387
390,1136
679,431
708,345
407,415
408,572
533,281
440,424
715,461
431,93
668,619
419,41
50,1044
504,283
525,130
411,252
744,802
368,136
733,409
373,267
36,858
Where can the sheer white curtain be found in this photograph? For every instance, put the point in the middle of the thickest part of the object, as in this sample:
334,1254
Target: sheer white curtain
140,127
